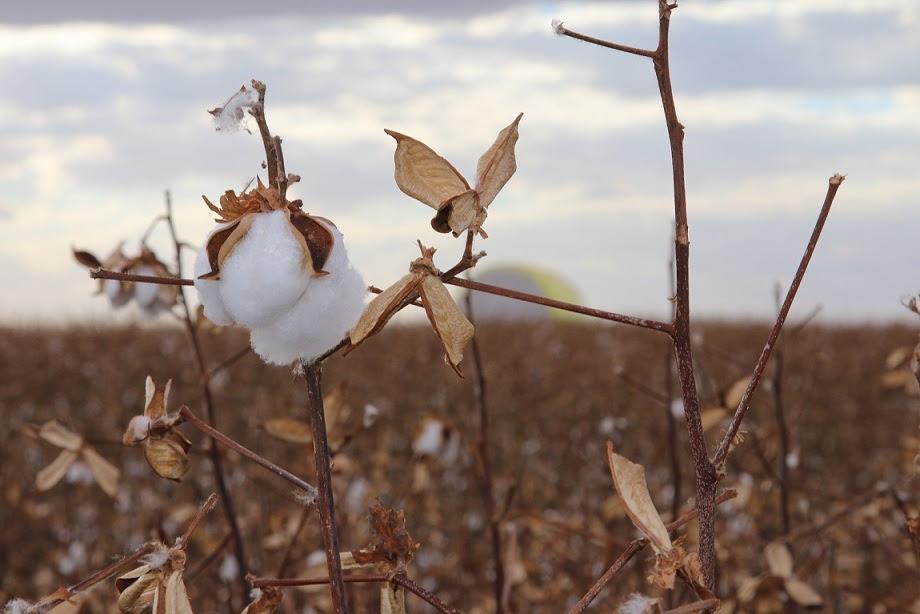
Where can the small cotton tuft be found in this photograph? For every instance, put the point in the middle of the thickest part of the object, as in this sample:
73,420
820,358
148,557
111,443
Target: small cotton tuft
157,558
17,606
232,116
255,594
558,26
638,604
138,429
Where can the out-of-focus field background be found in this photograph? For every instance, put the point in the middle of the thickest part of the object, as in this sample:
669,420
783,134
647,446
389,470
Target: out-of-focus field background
556,393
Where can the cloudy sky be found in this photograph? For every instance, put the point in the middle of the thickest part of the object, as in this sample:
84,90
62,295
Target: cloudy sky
103,106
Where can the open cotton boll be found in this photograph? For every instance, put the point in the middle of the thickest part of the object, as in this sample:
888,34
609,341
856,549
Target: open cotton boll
145,294
113,289
209,289
264,274
322,317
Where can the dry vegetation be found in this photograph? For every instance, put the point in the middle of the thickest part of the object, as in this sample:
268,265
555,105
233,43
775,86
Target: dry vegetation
554,399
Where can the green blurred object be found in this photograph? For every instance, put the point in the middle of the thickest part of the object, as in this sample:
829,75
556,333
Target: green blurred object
524,278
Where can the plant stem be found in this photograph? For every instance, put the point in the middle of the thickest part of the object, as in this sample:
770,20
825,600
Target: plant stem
210,411
486,482
231,444
312,374
776,385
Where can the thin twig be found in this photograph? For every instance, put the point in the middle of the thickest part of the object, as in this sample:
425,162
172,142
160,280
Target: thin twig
633,548
64,594
205,507
400,579
210,559
230,361
779,409
486,482
719,458
289,551
563,31
210,410
232,444
662,327
312,375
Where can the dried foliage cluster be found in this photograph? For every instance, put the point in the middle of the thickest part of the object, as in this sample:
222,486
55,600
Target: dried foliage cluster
284,276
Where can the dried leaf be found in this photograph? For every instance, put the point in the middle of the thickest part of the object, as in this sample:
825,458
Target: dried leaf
87,259
168,456
176,597
106,473
289,429
898,357
56,434
423,174
392,599
136,589
802,594
629,479
451,326
381,309
156,398
316,241
712,417
498,164
779,559
52,474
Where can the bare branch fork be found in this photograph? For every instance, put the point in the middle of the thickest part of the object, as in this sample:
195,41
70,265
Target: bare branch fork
707,472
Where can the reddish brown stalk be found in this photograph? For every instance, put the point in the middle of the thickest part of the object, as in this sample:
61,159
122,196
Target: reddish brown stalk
312,374
232,444
203,510
63,594
719,458
560,29
210,411
706,476
400,579
258,112
662,327
633,548
486,482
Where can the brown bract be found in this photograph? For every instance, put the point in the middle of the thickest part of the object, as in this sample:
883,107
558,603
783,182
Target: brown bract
74,447
780,578
238,211
161,588
165,448
268,601
429,178
453,329
391,548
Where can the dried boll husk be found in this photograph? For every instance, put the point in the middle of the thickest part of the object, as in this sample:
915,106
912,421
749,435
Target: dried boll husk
156,586
451,326
165,448
151,298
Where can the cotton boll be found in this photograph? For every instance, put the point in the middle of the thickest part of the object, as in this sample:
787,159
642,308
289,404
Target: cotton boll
322,317
209,290
264,274
145,294
113,289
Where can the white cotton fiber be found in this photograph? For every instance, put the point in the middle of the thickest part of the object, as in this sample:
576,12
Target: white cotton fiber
322,317
232,116
264,274
145,294
638,604
113,290
209,290
17,606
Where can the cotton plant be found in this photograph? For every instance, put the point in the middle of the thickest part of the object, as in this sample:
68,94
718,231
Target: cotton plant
275,269
152,298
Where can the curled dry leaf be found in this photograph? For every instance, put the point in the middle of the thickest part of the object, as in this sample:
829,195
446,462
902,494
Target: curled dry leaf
238,211
158,585
392,599
74,448
736,391
451,326
391,547
338,427
629,480
781,577
429,178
